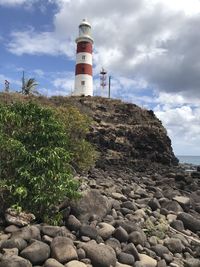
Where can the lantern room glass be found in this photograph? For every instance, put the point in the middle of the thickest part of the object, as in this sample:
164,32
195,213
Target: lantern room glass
84,30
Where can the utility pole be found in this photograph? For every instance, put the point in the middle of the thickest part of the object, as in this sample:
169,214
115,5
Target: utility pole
23,82
109,86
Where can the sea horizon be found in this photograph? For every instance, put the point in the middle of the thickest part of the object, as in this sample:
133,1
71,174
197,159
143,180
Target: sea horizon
189,159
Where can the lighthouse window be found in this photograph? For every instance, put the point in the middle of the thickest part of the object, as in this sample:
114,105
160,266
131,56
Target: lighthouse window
82,82
83,57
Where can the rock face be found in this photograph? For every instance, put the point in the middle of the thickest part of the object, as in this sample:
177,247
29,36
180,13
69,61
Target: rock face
124,133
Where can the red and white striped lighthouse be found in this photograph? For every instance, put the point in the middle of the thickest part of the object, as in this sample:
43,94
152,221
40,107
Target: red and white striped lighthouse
83,74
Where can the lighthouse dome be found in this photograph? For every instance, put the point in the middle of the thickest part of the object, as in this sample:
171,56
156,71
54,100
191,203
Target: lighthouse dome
84,22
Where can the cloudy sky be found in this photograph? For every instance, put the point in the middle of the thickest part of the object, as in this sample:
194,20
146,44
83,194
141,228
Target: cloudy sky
151,48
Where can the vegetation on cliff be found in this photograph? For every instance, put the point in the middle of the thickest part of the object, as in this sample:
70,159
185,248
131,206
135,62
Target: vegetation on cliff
40,147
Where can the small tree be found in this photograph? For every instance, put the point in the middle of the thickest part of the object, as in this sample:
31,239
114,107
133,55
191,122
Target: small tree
29,87
35,157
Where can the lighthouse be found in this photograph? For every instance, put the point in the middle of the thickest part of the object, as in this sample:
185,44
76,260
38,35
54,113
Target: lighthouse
83,73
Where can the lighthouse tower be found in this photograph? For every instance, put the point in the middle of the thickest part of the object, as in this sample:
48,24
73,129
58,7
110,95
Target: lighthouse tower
83,74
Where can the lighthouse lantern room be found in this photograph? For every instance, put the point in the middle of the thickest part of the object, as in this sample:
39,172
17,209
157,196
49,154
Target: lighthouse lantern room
83,73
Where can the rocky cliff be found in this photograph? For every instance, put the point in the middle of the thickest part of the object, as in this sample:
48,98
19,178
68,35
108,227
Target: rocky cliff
124,133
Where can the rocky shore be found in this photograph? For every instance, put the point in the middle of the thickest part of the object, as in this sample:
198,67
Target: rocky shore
124,218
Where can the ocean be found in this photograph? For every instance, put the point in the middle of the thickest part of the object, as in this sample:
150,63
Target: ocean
189,159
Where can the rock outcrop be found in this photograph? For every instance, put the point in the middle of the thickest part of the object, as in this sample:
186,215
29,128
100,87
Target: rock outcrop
124,133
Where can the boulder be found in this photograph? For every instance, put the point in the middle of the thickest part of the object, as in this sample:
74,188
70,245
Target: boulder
73,223
27,233
36,253
192,263
100,255
121,234
105,230
51,231
126,258
183,201
172,205
14,261
52,263
62,249
114,243
174,245
89,231
14,243
92,203
178,225
118,264
160,250
189,221
147,261
137,238
18,218
131,249
75,264
154,204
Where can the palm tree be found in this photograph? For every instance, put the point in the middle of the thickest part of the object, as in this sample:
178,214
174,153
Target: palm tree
29,87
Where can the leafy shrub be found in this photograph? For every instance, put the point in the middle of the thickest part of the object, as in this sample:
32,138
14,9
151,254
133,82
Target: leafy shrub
77,126
159,229
37,148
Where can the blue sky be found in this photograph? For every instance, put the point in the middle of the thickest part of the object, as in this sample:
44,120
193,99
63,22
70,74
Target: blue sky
151,48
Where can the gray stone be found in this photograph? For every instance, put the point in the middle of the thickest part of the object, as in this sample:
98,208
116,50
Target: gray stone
162,263
160,250
131,249
10,251
100,255
51,231
73,223
119,196
14,261
126,258
118,264
14,243
18,218
81,253
174,245
27,233
127,225
137,237
154,204
11,229
129,205
52,263
91,203
106,230
189,221
172,205
183,201
147,261
121,234
178,225
192,263
89,231
115,244
75,264
62,249
36,253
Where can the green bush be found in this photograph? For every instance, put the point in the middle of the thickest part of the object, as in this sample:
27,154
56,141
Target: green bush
37,150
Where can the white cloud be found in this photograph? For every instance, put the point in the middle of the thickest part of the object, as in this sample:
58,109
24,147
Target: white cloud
30,42
183,126
12,2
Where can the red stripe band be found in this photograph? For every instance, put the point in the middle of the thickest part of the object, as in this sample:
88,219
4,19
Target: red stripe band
83,68
84,47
